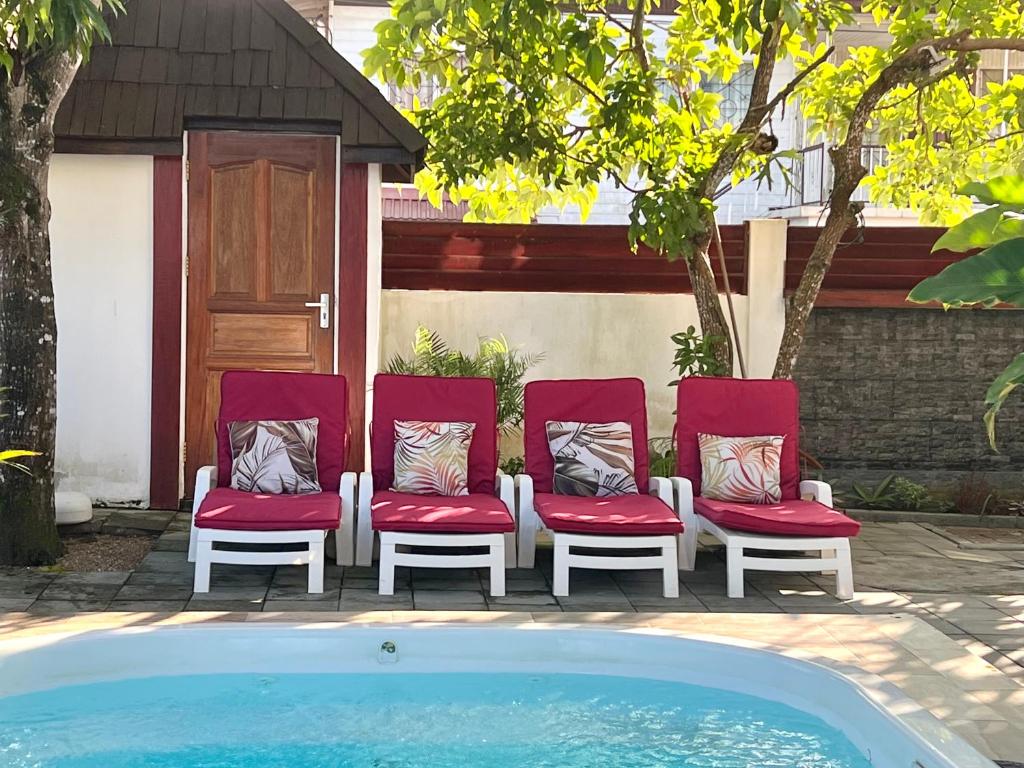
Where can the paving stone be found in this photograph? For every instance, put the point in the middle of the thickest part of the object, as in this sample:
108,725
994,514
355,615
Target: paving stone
15,605
225,606
93,577
181,578
61,607
164,562
533,599
148,592
300,594
148,606
218,593
60,590
172,541
17,589
152,521
300,605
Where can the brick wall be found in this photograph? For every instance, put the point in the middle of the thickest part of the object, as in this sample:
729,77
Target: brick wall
901,390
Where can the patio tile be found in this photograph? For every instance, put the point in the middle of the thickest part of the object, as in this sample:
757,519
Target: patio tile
19,590
440,599
367,599
148,592
299,593
218,593
180,578
163,562
172,541
151,520
15,604
146,606
61,607
73,590
301,605
531,599
227,606
93,577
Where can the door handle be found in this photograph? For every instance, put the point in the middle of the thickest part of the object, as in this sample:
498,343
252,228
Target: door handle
325,309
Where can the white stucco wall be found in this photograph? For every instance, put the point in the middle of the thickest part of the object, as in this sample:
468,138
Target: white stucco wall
580,334
102,239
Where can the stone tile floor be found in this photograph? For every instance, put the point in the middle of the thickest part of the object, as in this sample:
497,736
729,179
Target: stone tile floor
973,597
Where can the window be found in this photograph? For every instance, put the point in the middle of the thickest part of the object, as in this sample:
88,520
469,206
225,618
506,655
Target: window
735,93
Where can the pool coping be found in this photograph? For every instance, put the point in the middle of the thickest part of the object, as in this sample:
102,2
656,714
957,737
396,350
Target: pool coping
930,682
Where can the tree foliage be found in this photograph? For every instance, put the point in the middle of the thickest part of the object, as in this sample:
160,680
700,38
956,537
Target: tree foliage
993,276
541,101
31,28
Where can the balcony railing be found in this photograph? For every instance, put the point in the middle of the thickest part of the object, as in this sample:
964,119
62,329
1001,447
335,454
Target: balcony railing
811,173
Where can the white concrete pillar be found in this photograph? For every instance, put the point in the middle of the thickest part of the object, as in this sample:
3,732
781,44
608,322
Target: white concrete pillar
374,266
766,278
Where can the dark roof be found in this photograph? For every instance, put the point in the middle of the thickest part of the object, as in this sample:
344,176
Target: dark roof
174,64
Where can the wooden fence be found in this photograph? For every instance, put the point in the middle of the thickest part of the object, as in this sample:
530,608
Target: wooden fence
876,267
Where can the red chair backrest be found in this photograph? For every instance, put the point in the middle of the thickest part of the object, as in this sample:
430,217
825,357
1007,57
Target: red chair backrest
280,396
435,398
738,408
594,401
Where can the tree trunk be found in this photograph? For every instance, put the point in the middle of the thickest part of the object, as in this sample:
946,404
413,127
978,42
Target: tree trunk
709,305
841,215
28,328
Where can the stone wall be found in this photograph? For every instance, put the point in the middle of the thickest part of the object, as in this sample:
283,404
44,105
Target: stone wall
901,390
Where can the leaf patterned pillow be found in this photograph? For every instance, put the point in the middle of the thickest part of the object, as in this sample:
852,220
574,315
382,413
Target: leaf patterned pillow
741,469
432,457
274,456
592,459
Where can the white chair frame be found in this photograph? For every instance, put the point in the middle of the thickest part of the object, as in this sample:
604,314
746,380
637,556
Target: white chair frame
530,524
394,545
201,541
833,552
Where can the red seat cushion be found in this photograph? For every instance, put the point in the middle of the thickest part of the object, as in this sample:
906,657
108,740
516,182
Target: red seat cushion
411,513
633,515
790,517
231,510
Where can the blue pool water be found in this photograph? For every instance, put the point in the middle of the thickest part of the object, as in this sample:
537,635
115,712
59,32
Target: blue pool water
410,721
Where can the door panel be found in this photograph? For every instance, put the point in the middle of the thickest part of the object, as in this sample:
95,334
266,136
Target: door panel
261,245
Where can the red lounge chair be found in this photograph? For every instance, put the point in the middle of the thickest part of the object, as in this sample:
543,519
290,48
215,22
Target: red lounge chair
635,521
803,521
484,518
224,515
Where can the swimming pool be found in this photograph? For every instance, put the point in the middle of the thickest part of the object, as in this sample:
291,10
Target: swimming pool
250,696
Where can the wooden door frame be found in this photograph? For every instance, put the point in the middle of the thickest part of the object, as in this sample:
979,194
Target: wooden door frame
170,217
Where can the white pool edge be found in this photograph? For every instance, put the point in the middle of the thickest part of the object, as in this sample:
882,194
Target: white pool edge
946,748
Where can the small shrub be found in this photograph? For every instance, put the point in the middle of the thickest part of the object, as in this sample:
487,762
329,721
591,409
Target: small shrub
513,465
661,454
874,497
494,359
974,494
695,355
909,495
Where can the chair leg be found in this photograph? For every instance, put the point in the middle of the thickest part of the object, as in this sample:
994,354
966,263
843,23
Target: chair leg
687,545
560,588
527,543
498,562
193,537
844,576
316,567
670,571
387,568
510,550
204,553
734,568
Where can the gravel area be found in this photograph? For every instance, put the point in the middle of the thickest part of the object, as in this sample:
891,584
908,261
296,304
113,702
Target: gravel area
104,552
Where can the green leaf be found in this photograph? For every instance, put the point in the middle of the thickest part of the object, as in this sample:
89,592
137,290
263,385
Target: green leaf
1007,190
981,230
995,275
997,393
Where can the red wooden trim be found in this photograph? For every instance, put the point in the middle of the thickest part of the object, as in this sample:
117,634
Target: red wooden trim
880,299
431,255
165,424
352,272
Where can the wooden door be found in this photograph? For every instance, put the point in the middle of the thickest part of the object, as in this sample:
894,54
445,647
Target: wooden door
260,247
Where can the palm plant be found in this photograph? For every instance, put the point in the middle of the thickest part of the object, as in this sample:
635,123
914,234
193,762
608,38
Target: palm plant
494,359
